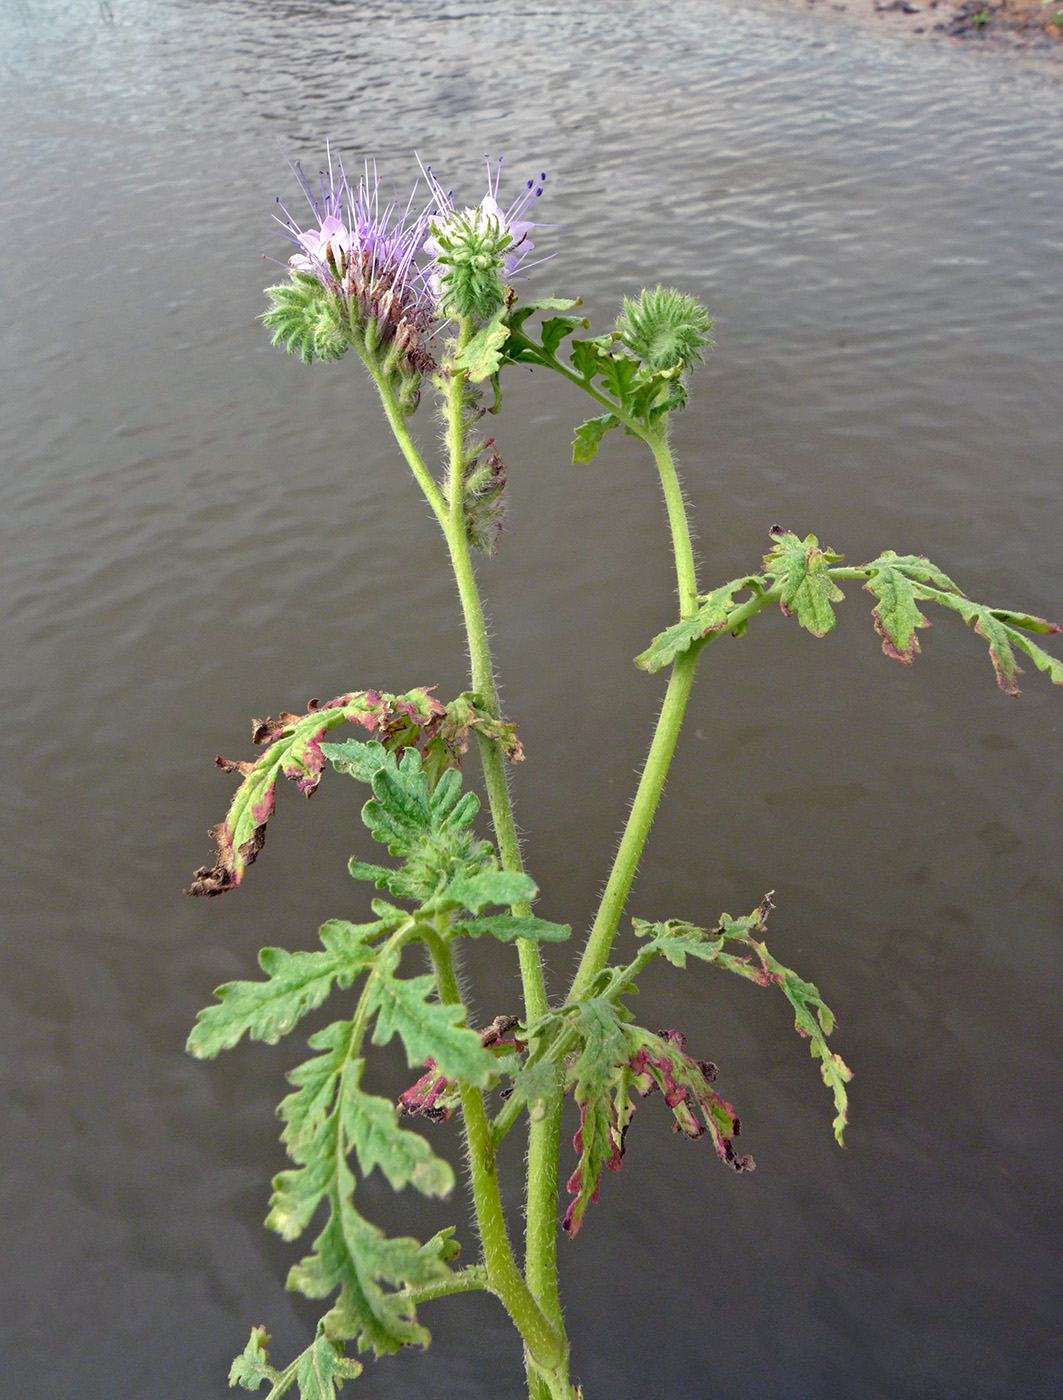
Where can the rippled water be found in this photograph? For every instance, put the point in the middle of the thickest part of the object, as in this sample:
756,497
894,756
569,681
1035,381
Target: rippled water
196,529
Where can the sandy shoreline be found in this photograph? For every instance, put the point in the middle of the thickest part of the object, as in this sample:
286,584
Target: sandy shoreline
1030,27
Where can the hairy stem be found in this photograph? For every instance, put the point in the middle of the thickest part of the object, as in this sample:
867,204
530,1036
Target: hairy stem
665,738
544,1135
640,819
504,1278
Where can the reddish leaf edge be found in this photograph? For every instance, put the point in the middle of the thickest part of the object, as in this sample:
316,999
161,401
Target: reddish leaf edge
293,750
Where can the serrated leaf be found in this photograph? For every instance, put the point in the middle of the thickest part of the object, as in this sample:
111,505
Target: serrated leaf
507,927
358,760
896,615
801,569
371,1125
429,1029
297,984
711,616
489,887
323,1368
356,1257
589,435
252,1366
482,357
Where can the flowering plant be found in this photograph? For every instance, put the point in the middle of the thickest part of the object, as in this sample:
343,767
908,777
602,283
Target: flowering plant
426,295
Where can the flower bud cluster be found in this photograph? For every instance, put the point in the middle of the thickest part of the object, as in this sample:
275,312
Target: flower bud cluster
665,329
477,251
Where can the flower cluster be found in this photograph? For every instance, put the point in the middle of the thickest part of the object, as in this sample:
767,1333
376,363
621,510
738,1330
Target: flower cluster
381,275
362,253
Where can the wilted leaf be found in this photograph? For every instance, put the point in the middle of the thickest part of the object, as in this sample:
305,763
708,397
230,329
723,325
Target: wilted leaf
294,752
1004,630
677,940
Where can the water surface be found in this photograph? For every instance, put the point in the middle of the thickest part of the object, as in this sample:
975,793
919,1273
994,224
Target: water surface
197,529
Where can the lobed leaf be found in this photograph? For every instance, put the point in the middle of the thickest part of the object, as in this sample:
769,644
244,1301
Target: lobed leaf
896,614
252,1366
323,1368
483,355
802,571
428,1029
507,927
297,984
354,1256
590,434
489,886
712,616
371,1125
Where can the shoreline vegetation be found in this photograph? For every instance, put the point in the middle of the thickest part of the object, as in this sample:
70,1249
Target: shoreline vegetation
1033,28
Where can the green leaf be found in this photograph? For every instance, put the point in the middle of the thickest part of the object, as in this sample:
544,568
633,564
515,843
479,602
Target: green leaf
482,357
323,1368
429,1029
361,761
801,569
371,1125
489,887
711,616
896,615
1003,630
354,1256
252,1366
510,926
590,434
297,984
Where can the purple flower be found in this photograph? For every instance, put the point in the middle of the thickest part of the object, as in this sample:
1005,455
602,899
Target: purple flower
365,250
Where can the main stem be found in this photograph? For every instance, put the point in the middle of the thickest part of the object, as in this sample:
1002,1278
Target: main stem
544,1135
540,1337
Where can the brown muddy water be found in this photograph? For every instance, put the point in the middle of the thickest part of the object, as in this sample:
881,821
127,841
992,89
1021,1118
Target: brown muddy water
197,529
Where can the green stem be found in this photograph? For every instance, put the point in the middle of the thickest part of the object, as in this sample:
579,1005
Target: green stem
545,1134
683,549
416,462
465,1281
665,737
540,1337
643,810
